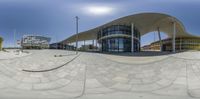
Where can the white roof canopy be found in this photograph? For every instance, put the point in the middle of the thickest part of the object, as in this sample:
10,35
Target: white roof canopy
145,23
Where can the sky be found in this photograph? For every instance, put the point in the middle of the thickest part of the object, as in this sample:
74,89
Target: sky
56,18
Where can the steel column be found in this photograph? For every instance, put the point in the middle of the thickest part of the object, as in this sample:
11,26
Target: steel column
96,45
160,40
132,37
101,40
180,44
174,37
84,45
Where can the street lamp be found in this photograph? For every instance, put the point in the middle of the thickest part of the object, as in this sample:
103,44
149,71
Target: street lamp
77,18
14,38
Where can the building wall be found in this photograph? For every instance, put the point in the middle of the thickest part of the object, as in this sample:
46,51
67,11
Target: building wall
35,42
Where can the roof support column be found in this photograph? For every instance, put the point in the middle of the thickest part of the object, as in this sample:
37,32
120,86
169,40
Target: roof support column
96,44
64,45
84,45
160,40
174,37
139,42
180,43
132,37
93,45
101,40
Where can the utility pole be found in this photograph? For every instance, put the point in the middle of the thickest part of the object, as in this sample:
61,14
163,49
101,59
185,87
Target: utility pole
77,18
14,38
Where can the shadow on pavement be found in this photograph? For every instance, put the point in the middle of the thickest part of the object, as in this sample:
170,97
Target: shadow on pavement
141,54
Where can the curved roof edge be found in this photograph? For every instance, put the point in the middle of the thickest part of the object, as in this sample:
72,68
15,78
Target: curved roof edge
145,22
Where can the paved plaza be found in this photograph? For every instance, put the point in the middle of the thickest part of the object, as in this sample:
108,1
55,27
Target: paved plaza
60,74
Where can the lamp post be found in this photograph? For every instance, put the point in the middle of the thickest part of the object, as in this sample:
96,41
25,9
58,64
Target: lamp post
77,18
14,38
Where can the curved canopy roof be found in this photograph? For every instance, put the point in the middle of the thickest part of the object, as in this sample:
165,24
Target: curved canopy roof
145,23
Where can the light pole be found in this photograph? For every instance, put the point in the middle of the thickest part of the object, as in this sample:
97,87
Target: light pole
14,37
77,18
56,43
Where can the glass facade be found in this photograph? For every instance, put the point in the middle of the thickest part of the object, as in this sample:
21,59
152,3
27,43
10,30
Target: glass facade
117,38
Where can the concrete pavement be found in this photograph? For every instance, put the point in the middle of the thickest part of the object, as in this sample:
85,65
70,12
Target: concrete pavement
97,76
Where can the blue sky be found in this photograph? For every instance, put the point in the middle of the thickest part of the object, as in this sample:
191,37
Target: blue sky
55,18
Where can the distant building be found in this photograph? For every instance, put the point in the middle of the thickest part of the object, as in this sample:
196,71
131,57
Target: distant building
35,42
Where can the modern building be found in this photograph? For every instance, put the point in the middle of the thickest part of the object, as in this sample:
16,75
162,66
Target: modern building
35,42
123,34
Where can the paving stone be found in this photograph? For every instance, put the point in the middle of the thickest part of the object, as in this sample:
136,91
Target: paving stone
120,86
45,86
135,81
145,87
93,83
63,82
164,82
73,73
120,79
31,80
62,74
24,86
